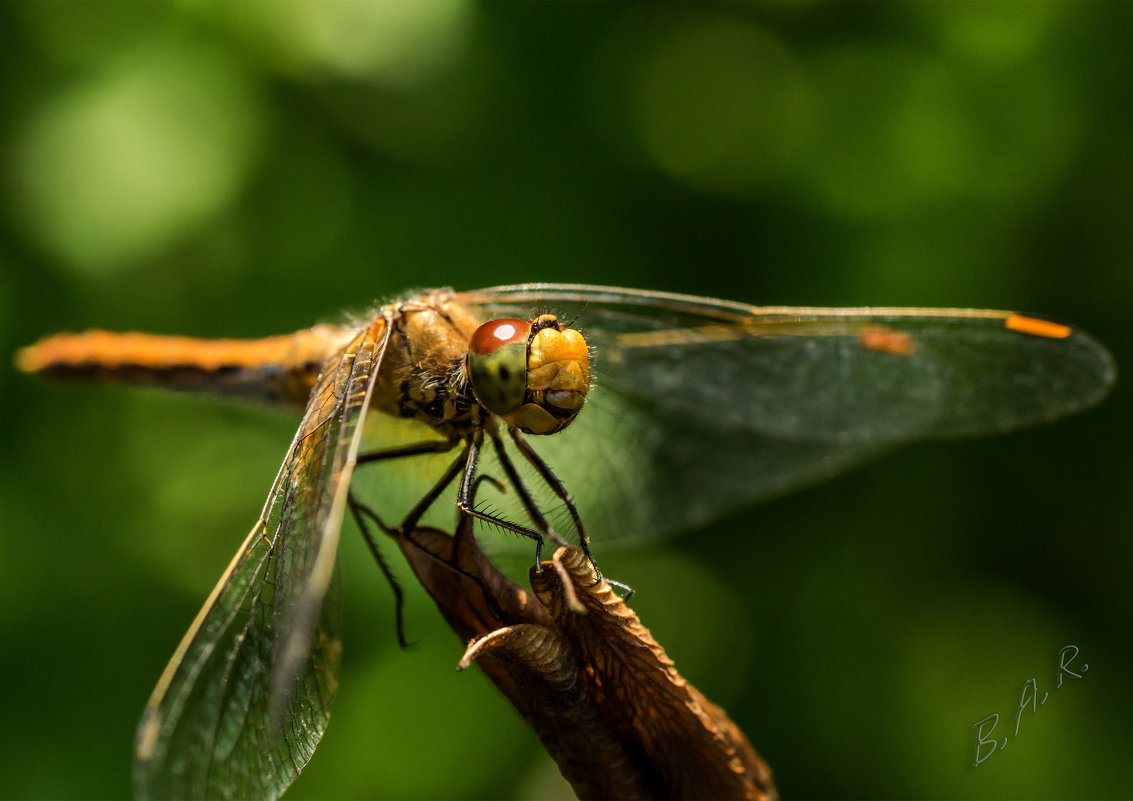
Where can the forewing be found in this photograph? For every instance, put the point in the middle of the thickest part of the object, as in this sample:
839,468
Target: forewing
246,697
701,405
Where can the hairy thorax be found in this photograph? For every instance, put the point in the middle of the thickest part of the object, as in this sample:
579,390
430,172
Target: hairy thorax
422,371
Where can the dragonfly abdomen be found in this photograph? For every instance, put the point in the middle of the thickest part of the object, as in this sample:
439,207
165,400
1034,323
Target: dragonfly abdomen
276,370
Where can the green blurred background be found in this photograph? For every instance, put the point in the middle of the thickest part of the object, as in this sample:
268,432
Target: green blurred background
239,169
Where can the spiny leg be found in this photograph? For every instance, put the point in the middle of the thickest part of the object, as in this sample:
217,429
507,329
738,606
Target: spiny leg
463,532
409,524
470,457
360,510
406,529
465,501
516,480
416,449
463,538
557,486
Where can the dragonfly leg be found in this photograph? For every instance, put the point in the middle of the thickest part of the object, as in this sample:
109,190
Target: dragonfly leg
405,530
416,449
359,510
418,511
413,449
464,498
409,524
516,480
463,539
557,486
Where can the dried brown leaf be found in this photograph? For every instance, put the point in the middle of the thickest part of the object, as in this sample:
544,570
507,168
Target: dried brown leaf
575,661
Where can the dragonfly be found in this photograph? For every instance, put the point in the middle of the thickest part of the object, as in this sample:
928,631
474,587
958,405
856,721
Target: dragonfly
658,411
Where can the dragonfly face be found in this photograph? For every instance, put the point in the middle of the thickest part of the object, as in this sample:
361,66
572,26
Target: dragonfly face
534,375
699,406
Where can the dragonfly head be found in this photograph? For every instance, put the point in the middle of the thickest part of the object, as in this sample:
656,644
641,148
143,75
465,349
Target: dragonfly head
534,375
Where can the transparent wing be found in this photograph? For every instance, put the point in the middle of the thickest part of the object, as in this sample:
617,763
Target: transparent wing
246,697
703,405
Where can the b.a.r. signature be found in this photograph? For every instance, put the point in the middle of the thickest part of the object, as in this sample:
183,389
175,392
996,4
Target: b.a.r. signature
986,745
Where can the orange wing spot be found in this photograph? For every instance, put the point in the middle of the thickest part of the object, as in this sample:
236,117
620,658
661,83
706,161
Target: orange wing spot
887,340
1037,327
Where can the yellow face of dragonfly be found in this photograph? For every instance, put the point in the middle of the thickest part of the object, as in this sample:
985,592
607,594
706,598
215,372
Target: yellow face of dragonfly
532,375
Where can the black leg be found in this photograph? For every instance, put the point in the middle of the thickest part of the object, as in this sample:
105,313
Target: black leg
414,449
469,459
406,530
465,502
417,512
559,489
408,526
357,509
360,511
463,538
516,480
450,561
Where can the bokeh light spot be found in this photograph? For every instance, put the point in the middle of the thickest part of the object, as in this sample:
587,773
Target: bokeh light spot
110,172
719,104
390,41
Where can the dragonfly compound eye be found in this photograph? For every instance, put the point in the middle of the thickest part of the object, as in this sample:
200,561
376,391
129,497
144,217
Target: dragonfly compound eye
497,364
533,375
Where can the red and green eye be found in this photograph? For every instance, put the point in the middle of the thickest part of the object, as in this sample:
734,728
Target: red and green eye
497,364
